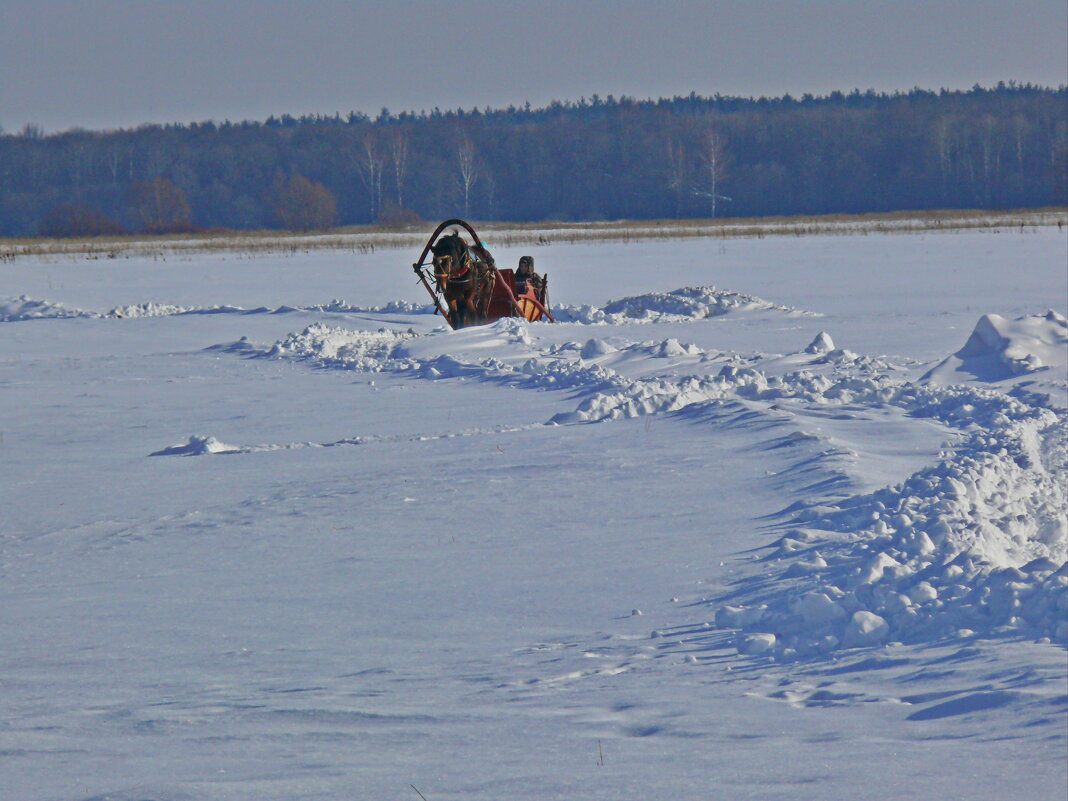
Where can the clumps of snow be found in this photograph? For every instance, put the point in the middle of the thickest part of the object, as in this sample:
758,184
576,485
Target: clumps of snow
865,628
688,303
999,348
680,305
754,644
199,446
24,308
393,307
978,541
151,309
672,347
736,617
371,351
817,608
622,400
386,350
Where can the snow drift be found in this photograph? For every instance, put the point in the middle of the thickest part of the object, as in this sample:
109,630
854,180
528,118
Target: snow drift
999,348
976,543
23,308
679,305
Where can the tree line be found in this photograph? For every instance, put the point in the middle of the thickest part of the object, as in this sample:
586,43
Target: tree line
594,159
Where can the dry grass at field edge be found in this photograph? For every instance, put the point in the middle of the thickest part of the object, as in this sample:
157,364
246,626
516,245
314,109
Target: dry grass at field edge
364,239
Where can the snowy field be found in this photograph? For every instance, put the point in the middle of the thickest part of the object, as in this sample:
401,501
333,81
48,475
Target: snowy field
777,518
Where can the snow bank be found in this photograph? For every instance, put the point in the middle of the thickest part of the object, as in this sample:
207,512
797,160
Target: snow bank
24,308
335,306
999,348
387,350
679,305
976,542
150,309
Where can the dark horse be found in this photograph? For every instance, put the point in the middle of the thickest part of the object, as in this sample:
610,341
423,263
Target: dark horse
464,277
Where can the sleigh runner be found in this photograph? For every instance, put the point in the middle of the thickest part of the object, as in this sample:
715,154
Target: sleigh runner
468,288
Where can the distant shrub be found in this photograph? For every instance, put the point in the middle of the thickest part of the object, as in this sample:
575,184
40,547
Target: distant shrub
303,205
396,217
161,207
71,220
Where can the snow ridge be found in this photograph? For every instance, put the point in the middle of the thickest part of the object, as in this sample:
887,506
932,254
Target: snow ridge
999,348
679,305
24,308
335,306
975,543
928,557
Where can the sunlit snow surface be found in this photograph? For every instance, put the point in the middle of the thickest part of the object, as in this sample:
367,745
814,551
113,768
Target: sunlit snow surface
758,519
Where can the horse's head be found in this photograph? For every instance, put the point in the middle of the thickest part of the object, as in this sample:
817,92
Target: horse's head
451,258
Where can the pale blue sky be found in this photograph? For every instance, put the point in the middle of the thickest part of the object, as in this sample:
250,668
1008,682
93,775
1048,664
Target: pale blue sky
117,63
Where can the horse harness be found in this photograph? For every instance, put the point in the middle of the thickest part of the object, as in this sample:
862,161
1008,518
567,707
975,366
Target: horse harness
461,277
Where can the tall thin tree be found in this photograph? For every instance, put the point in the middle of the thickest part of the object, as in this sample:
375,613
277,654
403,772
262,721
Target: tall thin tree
714,160
468,167
398,145
676,164
371,166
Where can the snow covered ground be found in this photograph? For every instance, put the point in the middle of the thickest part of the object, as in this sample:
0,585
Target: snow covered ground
775,518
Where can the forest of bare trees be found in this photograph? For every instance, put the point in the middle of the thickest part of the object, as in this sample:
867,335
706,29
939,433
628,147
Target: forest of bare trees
595,159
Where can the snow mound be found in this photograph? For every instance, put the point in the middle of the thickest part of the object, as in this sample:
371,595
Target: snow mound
821,344
975,544
371,351
689,303
679,305
999,348
199,446
24,308
595,348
